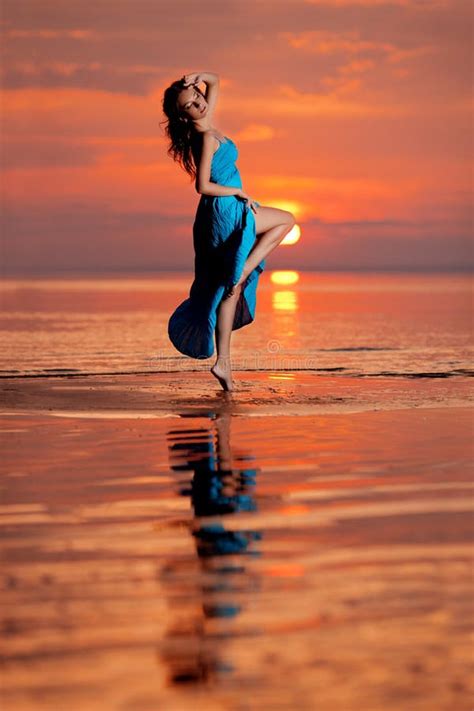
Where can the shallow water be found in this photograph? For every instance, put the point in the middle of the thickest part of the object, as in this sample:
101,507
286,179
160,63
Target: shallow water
214,562
359,324
304,542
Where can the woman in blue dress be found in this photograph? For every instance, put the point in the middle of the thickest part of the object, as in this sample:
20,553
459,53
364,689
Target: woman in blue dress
232,234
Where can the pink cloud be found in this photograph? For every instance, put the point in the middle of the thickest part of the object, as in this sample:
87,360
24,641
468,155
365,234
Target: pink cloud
51,34
412,4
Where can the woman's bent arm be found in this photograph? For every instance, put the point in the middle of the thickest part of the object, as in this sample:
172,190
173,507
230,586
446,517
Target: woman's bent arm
209,77
218,190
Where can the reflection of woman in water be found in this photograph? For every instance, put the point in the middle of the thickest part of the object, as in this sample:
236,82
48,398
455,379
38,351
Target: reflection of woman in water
232,233
216,489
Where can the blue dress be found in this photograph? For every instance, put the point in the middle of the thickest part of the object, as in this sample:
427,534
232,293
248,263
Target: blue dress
223,235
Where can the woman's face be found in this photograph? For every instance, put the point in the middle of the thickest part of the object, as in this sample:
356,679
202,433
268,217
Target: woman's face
192,103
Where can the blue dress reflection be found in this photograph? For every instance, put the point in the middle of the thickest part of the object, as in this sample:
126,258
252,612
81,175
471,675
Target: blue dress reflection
192,646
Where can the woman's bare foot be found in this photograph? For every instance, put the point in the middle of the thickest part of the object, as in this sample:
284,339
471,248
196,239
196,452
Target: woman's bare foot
222,371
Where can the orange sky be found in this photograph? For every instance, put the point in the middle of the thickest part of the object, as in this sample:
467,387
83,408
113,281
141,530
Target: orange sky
354,114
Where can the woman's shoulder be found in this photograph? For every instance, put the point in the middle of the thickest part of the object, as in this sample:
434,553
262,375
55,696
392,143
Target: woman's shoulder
211,132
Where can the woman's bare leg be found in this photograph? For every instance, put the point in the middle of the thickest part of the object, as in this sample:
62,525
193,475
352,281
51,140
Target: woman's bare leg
269,236
225,319
262,247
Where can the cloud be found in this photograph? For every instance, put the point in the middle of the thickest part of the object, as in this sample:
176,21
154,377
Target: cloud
47,152
256,132
321,42
357,66
289,101
411,4
76,112
51,34
78,237
134,79
328,42
75,235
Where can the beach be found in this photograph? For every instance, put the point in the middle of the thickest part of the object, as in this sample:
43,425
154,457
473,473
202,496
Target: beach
302,542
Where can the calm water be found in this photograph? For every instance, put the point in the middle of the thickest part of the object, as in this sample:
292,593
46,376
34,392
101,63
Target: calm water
219,562
164,548
350,323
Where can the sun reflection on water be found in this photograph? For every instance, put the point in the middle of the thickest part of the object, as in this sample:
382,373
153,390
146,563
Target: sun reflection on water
285,277
285,301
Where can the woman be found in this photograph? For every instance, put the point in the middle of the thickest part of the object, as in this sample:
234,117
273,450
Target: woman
232,233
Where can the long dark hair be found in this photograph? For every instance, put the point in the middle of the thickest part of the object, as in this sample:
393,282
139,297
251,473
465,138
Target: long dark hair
179,129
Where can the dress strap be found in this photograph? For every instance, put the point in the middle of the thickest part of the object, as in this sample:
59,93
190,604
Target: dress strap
220,141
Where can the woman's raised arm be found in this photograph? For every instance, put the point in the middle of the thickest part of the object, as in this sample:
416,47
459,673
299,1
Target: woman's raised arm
211,81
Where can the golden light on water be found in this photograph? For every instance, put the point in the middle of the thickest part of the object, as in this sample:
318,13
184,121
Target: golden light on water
285,301
284,277
293,236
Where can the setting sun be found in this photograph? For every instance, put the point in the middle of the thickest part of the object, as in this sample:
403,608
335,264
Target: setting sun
293,236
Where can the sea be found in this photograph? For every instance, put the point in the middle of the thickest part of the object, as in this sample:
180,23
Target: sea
305,543
353,323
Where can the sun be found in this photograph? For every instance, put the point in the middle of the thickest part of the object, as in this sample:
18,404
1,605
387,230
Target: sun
297,209
293,235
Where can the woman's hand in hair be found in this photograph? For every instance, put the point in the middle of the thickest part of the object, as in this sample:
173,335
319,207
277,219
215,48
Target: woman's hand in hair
190,79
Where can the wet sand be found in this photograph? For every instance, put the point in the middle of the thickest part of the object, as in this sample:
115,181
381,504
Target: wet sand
305,542
256,393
